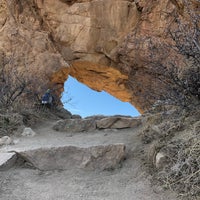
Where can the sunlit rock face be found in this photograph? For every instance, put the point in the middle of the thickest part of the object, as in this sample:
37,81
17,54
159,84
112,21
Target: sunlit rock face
105,44
88,34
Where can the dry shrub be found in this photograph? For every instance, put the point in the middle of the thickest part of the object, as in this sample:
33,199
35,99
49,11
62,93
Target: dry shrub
182,174
162,126
176,134
10,123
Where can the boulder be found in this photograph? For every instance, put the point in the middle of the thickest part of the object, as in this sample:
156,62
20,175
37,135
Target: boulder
28,132
100,157
75,125
118,122
7,160
5,140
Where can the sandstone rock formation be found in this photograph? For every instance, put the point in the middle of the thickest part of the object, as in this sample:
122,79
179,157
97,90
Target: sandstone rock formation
70,157
120,46
75,125
118,122
95,123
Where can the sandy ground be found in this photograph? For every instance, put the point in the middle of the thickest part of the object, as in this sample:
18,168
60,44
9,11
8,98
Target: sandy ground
130,182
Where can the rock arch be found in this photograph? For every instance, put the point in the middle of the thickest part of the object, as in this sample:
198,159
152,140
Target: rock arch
110,45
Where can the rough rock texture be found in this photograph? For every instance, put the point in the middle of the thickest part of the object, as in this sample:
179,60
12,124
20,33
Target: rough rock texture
106,44
62,113
160,160
118,122
95,123
7,160
69,157
75,125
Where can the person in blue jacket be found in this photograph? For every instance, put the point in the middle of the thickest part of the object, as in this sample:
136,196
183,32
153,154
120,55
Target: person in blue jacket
47,98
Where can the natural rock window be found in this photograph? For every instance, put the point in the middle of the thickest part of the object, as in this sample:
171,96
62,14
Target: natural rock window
80,99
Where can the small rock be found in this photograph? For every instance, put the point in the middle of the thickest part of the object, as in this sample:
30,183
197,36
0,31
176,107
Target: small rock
28,132
6,140
161,159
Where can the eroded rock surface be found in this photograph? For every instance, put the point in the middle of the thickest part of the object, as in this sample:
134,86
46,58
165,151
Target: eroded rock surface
96,123
95,157
7,160
121,47
118,122
75,125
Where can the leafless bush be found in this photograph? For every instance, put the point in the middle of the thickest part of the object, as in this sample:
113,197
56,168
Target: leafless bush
12,84
179,74
171,63
9,123
186,36
177,136
183,172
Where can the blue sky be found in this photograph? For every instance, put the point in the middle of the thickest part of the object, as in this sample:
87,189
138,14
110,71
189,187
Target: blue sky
87,102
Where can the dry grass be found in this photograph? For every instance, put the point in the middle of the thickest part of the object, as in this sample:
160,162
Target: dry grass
182,174
10,123
177,135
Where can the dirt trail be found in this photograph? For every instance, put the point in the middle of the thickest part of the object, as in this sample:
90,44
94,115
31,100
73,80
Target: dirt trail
130,182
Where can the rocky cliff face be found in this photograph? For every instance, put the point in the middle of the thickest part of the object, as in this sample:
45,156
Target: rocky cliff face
124,47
